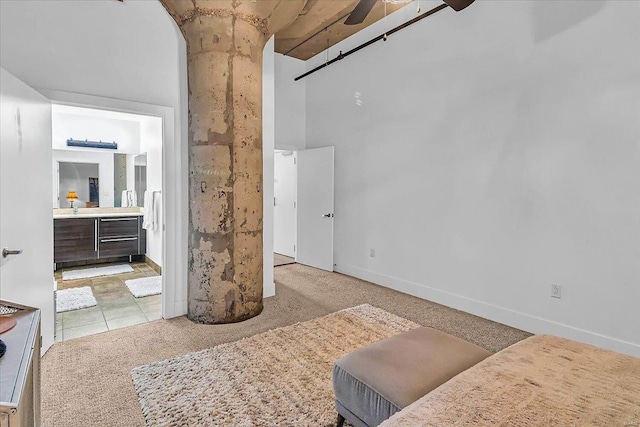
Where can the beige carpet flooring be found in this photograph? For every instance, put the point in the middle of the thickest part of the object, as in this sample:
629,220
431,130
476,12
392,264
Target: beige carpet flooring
87,381
277,378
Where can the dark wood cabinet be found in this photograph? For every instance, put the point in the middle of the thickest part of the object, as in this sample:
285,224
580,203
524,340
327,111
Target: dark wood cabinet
85,239
75,239
119,236
118,246
121,226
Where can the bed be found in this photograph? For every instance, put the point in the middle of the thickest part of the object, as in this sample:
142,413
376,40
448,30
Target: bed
540,381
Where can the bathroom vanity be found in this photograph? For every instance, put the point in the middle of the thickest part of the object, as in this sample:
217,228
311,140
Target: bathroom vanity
93,234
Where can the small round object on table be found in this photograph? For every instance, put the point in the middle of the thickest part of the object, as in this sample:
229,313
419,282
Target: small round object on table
6,323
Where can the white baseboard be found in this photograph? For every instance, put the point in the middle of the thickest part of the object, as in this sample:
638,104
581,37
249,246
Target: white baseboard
180,308
269,290
516,319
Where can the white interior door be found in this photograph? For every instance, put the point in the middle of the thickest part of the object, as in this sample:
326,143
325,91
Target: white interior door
26,218
284,206
315,208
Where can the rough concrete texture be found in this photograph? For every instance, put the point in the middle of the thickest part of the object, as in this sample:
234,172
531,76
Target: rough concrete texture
225,39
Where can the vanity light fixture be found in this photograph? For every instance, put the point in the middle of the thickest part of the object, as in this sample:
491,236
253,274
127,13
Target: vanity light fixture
91,144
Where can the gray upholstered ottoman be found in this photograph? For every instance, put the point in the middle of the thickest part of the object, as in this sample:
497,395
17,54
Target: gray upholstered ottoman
373,383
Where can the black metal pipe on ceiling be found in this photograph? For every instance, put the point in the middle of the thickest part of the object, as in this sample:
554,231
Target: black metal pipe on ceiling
373,40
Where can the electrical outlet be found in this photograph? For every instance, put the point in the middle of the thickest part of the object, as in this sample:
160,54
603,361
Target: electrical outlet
372,253
556,291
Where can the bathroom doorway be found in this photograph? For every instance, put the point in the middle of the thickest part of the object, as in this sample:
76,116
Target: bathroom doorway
284,207
108,249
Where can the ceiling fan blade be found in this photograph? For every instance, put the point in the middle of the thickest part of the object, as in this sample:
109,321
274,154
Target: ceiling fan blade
360,12
458,5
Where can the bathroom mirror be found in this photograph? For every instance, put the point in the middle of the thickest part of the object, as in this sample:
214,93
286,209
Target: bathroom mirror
100,179
81,179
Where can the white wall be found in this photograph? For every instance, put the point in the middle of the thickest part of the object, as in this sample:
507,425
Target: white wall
124,132
104,160
285,195
268,146
290,134
290,103
123,56
494,152
151,143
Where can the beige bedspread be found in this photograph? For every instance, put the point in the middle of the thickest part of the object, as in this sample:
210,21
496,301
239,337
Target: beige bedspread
540,381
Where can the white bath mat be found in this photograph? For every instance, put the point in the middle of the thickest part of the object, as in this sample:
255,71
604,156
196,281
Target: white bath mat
74,299
145,286
95,272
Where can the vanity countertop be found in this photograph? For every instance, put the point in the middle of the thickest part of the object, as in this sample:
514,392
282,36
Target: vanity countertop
96,213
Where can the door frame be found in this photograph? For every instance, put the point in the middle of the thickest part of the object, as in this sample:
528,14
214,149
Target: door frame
294,224
175,189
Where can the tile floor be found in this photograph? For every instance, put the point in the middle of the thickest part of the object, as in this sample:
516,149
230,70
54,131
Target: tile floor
117,307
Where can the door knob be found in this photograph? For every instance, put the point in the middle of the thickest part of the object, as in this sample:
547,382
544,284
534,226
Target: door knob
6,252
329,215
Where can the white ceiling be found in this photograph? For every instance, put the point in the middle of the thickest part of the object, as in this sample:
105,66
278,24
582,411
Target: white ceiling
100,47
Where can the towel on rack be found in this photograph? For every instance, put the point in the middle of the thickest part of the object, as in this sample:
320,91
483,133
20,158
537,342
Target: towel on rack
129,199
157,203
148,211
151,210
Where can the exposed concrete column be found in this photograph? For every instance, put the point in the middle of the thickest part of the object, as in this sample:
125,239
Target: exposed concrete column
225,40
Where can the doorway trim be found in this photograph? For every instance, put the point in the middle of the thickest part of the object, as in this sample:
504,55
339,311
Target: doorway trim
175,189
